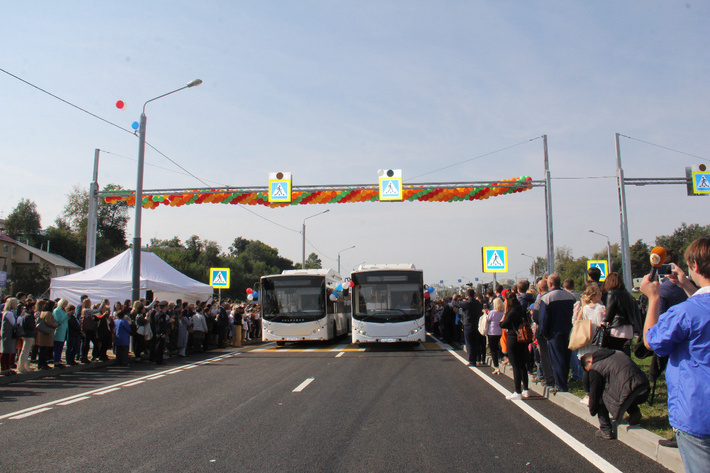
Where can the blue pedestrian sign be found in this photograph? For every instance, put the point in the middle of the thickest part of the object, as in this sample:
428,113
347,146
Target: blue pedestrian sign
701,182
279,187
602,265
495,259
219,278
391,185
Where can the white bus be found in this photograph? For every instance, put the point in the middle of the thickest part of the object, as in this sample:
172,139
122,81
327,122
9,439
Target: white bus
296,306
387,304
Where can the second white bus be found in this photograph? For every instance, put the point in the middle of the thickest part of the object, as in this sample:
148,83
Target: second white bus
388,304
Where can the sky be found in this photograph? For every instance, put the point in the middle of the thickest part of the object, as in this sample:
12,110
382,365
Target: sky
333,91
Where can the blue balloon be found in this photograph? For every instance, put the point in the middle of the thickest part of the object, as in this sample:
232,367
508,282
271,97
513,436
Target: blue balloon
339,287
135,125
255,295
431,290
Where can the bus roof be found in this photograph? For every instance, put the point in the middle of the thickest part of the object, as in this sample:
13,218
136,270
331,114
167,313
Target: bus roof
376,267
311,272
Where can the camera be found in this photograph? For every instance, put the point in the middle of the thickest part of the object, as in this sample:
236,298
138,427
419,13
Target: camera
664,270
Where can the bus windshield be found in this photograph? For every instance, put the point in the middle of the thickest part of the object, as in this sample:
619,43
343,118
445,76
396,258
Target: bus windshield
293,299
387,297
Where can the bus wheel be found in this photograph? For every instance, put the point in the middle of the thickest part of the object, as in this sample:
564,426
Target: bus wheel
280,344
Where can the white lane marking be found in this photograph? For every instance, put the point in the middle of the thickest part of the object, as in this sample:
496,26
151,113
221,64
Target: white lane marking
123,383
303,385
66,403
101,393
134,383
340,354
189,367
156,377
31,413
265,347
572,442
339,348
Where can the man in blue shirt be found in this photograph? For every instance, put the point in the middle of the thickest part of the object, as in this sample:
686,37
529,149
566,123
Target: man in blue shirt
683,334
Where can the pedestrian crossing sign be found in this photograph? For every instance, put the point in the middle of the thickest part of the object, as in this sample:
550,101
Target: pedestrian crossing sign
219,278
495,259
391,185
701,182
280,187
602,265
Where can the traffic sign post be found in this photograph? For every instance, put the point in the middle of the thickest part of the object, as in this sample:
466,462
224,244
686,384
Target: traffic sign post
495,259
279,187
219,278
391,185
602,265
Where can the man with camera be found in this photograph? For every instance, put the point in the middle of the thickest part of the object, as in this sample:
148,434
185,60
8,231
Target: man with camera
683,334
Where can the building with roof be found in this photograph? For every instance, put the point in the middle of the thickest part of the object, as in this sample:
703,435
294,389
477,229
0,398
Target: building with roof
14,255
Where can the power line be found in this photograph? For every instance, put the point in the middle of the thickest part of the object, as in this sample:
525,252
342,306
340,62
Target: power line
100,118
475,158
666,148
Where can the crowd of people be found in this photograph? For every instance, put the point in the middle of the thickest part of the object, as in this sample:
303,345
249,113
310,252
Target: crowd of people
55,333
528,328
675,326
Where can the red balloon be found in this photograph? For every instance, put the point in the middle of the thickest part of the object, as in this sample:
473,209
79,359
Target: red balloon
427,295
249,290
120,104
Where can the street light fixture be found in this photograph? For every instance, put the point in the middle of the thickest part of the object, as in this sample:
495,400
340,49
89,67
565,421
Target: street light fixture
608,249
534,268
136,274
303,255
346,249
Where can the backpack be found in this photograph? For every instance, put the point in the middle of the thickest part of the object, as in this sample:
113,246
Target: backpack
524,332
483,325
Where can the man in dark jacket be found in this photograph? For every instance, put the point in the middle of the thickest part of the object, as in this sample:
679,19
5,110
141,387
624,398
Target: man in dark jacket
555,317
472,311
161,331
617,385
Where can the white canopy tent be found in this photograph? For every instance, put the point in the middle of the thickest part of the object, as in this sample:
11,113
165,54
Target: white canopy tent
112,280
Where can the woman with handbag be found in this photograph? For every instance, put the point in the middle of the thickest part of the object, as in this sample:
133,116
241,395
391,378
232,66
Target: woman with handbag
514,318
619,314
592,310
8,348
45,334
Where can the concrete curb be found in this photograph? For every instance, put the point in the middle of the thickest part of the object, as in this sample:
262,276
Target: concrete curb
638,438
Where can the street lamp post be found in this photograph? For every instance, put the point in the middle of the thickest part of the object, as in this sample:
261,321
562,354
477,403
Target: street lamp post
136,274
608,249
303,255
534,271
346,249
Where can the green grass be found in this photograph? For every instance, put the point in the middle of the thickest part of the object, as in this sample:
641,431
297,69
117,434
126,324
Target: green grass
655,417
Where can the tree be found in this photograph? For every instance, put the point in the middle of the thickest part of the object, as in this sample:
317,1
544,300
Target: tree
24,222
110,224
639,254
566,266
313,262
31,279
681,239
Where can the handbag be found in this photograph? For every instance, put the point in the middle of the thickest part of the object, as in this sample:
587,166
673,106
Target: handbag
483,325
601,336
581,334
43,327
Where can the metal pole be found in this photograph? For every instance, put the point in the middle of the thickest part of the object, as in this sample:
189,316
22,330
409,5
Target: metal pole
136,260
303,253
92,217
548,212
623,218
346,249
136,274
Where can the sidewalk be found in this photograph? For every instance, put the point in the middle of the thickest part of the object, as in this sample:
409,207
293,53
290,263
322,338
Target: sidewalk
639,439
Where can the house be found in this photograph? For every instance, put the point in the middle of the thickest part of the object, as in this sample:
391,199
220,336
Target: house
14,254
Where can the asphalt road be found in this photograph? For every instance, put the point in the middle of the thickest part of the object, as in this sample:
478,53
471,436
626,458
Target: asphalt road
313,408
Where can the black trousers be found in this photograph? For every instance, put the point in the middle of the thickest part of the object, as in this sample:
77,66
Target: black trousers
159,349
89,338
518,359
472,339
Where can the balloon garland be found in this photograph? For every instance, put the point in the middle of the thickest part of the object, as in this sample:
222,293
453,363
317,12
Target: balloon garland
337,196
